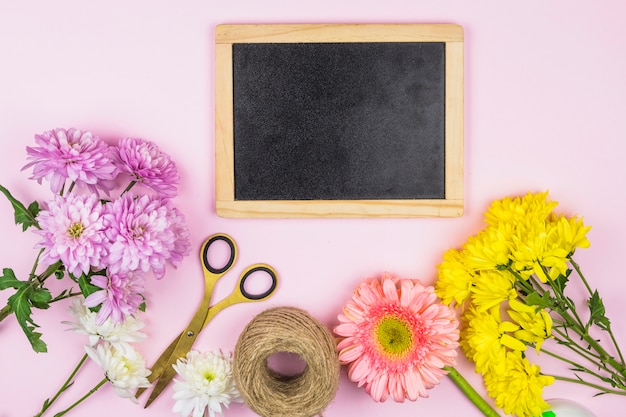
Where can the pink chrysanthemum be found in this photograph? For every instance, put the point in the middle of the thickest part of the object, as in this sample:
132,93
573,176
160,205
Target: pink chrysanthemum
120,295
181,246
72,228
145,232
70,154
147,165
397,338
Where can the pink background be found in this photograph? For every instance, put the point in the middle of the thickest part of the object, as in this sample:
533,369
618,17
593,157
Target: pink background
544,110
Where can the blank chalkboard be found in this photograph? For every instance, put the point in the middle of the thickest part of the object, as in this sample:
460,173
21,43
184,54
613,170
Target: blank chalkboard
339,120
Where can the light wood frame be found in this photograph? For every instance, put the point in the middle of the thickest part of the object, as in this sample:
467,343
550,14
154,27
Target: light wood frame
228,206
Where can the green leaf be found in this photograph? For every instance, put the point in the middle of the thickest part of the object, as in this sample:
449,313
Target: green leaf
34,209
24,216
86,287
561,281
40,298
542,301
597,311
8,280
34,338
20,304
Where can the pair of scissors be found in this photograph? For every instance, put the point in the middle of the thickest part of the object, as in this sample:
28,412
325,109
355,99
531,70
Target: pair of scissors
163,369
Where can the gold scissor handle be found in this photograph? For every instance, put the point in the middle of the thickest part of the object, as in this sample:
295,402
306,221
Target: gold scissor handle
210,270
241,295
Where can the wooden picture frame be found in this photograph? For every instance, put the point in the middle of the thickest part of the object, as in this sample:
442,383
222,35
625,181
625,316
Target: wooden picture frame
227,205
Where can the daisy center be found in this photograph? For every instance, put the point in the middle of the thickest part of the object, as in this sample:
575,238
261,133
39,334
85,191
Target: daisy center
394,335
75,230
209,376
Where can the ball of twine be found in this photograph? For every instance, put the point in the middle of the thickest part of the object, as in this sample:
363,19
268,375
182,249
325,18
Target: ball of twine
270,394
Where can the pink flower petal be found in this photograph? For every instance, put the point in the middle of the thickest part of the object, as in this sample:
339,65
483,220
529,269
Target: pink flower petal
396,388
390,290
351,353
346,329
379,390
359,370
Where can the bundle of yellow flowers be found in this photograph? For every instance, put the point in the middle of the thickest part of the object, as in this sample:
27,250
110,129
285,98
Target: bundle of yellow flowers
509,282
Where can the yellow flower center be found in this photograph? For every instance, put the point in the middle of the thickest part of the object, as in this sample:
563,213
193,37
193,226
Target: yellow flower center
76,230
209,376
394,335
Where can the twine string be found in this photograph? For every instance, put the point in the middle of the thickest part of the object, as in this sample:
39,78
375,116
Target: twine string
270,394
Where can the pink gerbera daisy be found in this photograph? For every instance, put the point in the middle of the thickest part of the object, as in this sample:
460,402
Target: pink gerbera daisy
397,338
147,165
72,229
71,154
120,295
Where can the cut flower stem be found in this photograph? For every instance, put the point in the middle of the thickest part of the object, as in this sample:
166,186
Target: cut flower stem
83,398
470,392
68,383
568,320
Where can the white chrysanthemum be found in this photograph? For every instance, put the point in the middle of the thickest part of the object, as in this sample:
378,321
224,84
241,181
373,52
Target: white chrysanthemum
120,335
125,369
207,383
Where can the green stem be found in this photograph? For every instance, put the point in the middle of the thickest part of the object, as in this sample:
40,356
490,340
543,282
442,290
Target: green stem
36,263
63,388
131,185
588,384
83,398
65,296
584,280
565,305
564,339
603,355
580,274
570,362
595,349
4,313
471,393
50,270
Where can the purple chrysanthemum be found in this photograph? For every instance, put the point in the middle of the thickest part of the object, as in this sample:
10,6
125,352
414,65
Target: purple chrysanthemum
72,228
147,165
181,244
145,232
70,154
120,295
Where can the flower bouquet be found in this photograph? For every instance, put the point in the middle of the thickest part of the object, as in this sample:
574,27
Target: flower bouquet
103,246
109,223
510,283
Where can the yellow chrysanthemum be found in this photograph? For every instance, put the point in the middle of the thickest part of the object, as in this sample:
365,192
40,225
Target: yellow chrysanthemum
490,249
517,386
570,233
485,339
536,326
492,288
514,210
455,279
536,251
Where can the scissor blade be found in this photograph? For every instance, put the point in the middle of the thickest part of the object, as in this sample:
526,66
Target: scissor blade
180,347
164,379
160,364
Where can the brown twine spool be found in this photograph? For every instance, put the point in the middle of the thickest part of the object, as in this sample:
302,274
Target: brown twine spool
270,394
